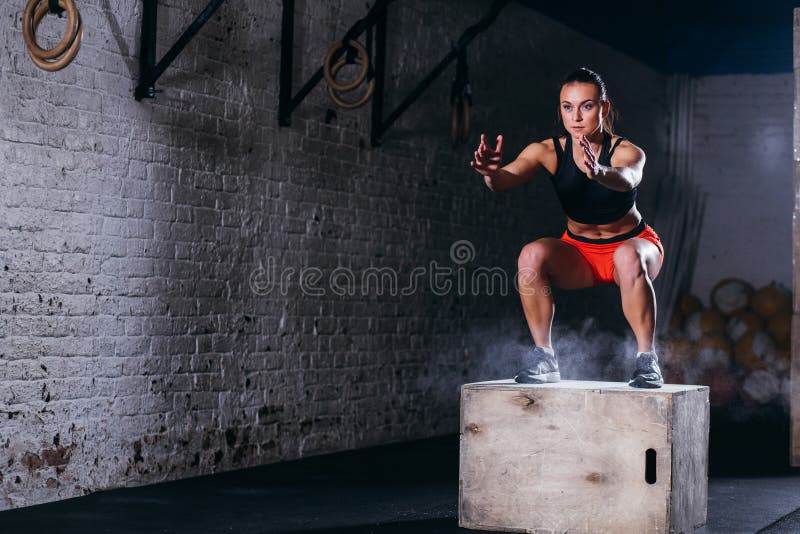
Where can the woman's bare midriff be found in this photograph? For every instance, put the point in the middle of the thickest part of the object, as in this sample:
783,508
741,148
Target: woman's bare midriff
628,222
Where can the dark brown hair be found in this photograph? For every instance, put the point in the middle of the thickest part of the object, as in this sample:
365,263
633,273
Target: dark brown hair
585,75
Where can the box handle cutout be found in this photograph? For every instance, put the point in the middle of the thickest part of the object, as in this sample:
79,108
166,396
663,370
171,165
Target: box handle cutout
650,466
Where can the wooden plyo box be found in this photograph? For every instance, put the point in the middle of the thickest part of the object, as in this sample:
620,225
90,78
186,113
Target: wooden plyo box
583,457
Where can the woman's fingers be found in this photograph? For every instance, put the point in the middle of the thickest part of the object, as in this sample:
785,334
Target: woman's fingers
484,164
587,148
480,168
585,142
481,160
485,154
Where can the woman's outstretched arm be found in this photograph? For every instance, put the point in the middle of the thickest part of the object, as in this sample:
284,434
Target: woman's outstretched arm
487,162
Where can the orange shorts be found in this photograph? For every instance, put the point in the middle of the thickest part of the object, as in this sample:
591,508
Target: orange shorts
599,253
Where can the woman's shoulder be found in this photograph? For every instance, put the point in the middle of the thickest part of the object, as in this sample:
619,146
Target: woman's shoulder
548,143
541,152
624,150
549,140
539,147
622,141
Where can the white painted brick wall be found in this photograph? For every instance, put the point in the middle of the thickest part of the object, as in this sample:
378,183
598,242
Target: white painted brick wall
742,156
132,348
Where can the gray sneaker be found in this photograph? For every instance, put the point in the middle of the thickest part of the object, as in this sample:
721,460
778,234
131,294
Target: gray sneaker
540,367
647,373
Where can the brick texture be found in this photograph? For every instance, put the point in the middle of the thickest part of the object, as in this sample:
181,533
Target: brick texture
138,342
742,157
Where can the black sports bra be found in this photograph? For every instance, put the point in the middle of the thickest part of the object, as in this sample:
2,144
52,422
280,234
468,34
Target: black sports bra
584,200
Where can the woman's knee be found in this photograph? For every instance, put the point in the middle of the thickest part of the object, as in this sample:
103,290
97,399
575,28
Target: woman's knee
533,255
629,262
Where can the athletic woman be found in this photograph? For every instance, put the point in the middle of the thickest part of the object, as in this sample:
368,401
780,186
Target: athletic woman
596,175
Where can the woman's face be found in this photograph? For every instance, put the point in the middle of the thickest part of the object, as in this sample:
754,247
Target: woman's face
581,110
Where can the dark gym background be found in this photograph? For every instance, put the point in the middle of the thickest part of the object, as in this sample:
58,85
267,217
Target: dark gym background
139,346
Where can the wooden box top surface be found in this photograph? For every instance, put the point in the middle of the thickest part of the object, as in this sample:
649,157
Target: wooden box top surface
667,389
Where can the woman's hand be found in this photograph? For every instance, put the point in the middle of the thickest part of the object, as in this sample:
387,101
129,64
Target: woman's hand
487,159
593,168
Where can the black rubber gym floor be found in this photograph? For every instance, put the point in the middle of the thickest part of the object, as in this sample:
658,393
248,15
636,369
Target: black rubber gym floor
405,487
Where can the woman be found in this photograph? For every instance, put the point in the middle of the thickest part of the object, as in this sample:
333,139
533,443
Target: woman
596,175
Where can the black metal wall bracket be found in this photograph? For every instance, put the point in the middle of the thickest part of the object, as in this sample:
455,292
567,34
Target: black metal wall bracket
288,103
149,70
376,17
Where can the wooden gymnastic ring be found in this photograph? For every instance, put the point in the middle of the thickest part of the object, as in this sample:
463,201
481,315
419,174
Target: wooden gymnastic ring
466,109
349,105
358,103
74,47
29,26
72,51
363,59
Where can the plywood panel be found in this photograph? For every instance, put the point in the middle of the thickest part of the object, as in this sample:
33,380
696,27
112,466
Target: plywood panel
690,426
571,457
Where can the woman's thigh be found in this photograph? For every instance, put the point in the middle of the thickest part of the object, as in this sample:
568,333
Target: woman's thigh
562,263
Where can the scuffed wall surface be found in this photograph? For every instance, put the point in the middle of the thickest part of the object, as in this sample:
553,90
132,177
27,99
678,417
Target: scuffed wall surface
742,157
138,339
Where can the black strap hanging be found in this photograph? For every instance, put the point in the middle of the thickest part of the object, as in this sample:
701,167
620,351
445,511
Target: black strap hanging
461,88
54,8
460,100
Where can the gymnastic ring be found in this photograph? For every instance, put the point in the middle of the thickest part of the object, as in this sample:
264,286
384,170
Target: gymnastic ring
455,126
466,109
350,105
29,27
330,76
72,51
